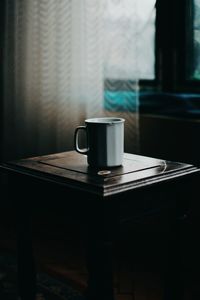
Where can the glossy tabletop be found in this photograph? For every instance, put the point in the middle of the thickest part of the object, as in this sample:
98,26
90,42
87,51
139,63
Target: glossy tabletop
71,169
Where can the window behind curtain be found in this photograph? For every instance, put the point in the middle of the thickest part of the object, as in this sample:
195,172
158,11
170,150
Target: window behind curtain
129,39
129,52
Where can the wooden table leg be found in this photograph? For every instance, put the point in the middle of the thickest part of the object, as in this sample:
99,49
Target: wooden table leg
99,257
26,275
100,278
173,269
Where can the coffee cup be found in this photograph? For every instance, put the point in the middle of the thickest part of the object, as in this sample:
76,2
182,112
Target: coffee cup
104,141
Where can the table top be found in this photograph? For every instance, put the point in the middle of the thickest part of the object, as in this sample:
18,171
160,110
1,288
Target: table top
71,169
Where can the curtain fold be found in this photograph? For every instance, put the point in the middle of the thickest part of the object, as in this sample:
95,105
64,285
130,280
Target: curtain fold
59,62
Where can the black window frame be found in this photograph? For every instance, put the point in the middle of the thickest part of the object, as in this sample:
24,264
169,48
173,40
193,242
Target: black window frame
174,34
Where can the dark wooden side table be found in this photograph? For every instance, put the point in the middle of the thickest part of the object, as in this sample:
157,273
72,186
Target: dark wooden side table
103,200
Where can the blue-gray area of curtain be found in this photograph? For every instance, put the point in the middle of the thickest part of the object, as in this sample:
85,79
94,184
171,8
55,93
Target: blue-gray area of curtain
167,104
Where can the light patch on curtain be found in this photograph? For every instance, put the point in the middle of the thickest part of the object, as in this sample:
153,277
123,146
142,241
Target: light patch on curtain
129,36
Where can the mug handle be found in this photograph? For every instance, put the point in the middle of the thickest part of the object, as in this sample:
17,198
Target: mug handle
76,135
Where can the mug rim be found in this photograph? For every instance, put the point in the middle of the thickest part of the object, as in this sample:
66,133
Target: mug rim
105,120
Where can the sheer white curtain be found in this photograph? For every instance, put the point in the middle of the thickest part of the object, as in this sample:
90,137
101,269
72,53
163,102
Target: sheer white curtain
57,58
53,73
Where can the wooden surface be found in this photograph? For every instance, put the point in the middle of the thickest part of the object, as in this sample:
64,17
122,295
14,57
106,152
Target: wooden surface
71,169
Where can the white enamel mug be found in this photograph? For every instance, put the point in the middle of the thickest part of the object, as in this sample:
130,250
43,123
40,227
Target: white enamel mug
104,140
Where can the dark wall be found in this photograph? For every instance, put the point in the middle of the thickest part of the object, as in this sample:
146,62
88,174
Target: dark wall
2,24
170,138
